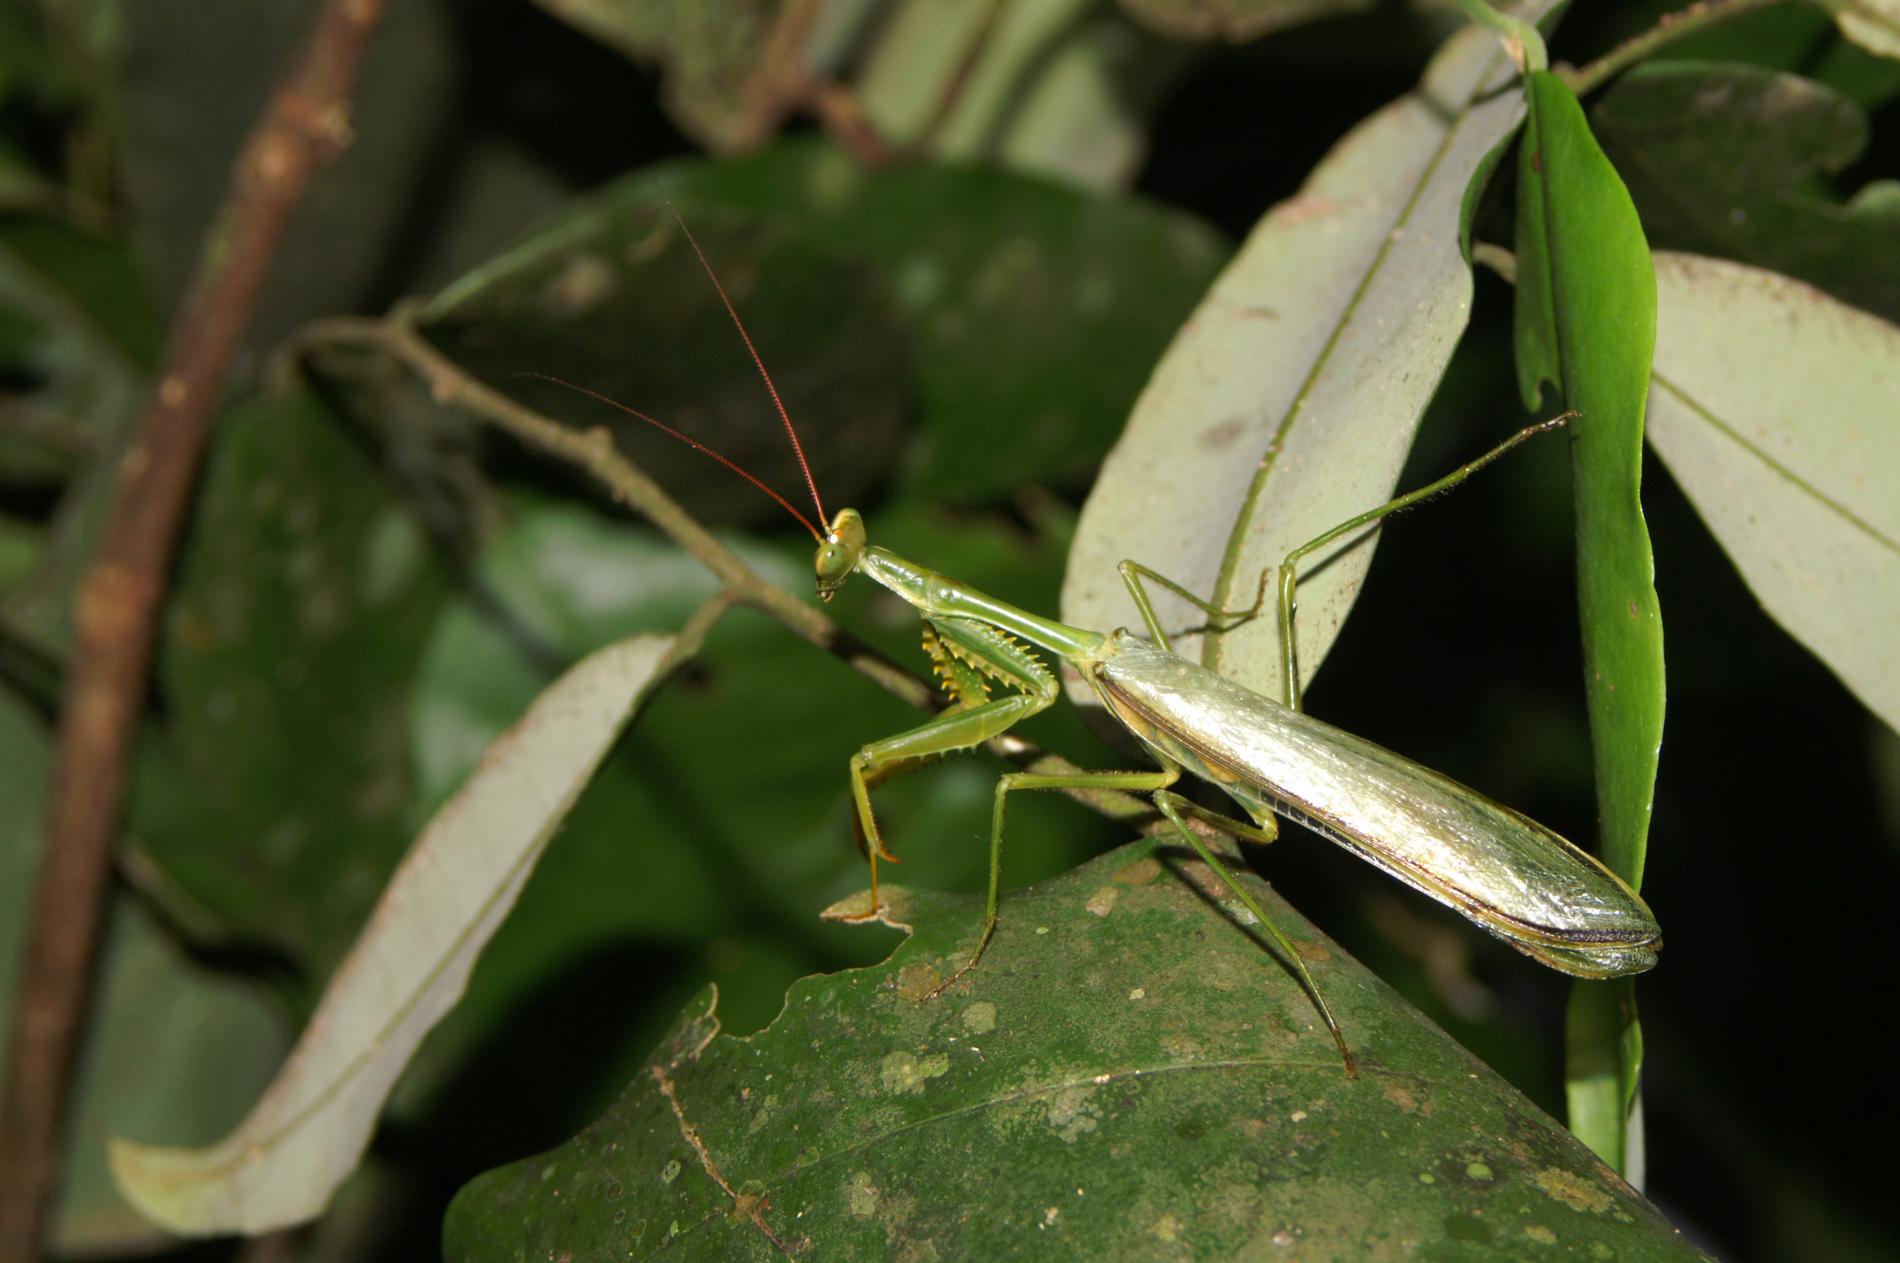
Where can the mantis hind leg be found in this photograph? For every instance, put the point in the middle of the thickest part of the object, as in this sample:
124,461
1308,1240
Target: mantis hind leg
1135,576
1172,806
1289,568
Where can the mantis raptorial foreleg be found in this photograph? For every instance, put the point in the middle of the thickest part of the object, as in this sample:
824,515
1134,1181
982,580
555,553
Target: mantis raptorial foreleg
970,653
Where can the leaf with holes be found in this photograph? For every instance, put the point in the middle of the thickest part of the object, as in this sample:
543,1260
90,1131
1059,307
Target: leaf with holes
1125,1075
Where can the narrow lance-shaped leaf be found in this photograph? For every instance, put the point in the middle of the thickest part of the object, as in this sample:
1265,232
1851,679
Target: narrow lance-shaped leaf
1586,323
1288,402
310,1127
1775,408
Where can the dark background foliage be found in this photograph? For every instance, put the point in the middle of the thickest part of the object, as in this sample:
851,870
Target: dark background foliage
1773,856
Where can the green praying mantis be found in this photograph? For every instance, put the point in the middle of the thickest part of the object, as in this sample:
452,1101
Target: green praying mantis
1505,872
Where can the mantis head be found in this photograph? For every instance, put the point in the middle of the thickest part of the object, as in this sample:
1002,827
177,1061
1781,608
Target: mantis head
838,552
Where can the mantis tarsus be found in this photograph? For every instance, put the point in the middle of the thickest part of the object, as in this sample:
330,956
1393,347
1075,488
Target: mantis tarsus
1510,875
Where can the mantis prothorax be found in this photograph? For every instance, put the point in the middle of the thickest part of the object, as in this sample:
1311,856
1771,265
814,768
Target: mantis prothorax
1505,872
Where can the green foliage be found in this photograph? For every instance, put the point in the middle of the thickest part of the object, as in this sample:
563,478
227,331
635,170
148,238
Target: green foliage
964,303
1730,160
1176,1098
1586,324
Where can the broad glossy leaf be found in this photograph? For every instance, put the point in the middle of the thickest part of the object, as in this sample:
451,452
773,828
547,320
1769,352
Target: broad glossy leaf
408,968
1586,324
611,297
1171,1096
1723,159
1287,403
1774,408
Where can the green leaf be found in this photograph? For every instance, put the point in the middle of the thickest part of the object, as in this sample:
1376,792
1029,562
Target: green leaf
611,297
277,793
408,968
1724,159
1173,1096
1586,324
1773,406
1288,402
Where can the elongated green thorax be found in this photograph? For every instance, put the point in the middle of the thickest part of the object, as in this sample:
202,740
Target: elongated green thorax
846,548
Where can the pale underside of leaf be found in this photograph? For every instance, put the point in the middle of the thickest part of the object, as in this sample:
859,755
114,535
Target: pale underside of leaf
1288,402
1774,407
1873,24
407,969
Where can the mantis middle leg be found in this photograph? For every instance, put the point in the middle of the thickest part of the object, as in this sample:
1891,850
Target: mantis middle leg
1174,808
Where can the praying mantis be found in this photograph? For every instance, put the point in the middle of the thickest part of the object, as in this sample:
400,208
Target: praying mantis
1503,871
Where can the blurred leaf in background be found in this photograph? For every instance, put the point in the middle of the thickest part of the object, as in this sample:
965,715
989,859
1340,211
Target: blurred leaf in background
1729,159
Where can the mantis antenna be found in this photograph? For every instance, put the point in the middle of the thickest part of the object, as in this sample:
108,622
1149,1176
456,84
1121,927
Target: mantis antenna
791,431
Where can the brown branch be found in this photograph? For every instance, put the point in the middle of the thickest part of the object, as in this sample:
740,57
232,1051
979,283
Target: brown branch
118,600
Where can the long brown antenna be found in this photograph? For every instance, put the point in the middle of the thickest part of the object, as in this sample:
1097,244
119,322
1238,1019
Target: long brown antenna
797,448
691,442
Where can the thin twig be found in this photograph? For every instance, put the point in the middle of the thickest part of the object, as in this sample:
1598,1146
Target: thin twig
117,603
1672,27
593,451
